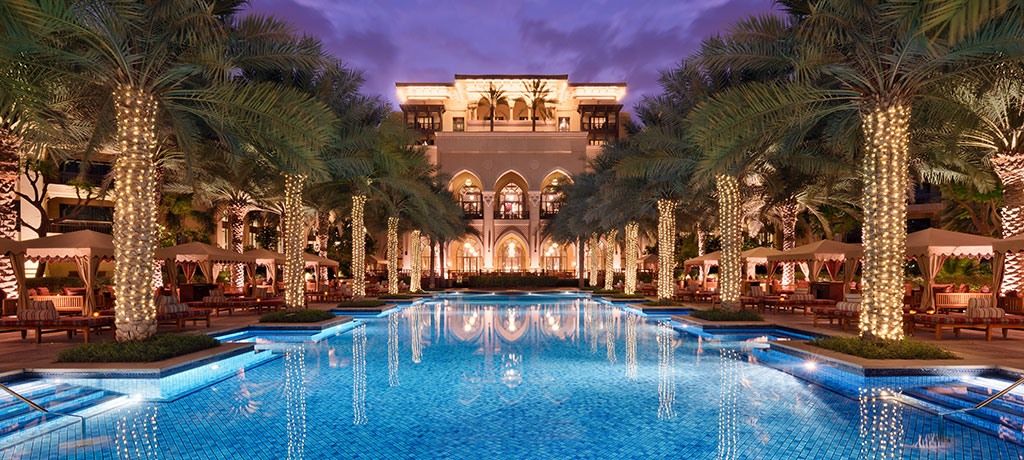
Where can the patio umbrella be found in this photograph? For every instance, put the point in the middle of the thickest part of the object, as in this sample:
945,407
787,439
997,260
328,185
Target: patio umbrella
85,248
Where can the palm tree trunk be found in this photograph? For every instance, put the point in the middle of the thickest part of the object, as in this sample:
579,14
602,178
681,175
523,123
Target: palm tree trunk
392,255
492,118
134,228
666,247
433,271
294,242
358,247
533,117
1010,168
10,144
594,257
788,212
236,222
323,229
629,254
609,259
729,226
580,264
441,270
885,221
414,253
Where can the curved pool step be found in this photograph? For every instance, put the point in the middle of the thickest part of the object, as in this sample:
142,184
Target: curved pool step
1003,417
16,415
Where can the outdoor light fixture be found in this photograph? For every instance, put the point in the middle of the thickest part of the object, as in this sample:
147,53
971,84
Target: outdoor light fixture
885,210
358,247
729,222
294,241
609,258
630,253
666,247
134,228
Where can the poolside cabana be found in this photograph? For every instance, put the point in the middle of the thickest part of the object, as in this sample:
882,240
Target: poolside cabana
317,262
812,257
197,255
265,258
750,258
85,248
932,246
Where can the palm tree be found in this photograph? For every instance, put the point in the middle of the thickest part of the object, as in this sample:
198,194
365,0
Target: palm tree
857,66
170,74
538,98
494,95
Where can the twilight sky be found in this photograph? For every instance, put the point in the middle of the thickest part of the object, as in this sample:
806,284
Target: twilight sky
431,40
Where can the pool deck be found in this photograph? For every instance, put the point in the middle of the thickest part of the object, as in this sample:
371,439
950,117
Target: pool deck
1005,353
20,354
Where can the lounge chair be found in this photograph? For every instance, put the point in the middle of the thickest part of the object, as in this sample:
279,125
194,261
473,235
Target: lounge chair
978,315
42,317
757,295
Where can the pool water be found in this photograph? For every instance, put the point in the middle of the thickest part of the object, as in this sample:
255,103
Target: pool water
546,377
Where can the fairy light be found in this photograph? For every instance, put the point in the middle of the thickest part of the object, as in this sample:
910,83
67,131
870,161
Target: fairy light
294,242
359,375
594,254
358,247
609,343
884,230
788,214
666,372
392,249
729,223
415,328
666,247
1010,169
134,227
135,433
323,222
700,240
630,253
729,382
393,350
881,424
609,259
632,320
417,264
236,219
10,145
295,400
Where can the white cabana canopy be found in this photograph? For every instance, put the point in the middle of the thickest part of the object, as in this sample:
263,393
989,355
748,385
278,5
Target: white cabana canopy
85,248
1014,244
313,260
750,258
268,259
824,253
201,255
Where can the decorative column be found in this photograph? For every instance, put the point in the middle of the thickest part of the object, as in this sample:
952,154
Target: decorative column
294,242
534,233
487,236
134,228
729,223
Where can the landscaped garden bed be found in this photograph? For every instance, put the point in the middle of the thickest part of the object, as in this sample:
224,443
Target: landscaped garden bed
397,297
156,348
717,314
890,349
362,303
297,316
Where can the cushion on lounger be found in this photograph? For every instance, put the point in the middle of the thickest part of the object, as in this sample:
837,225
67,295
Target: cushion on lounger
802,290
801,297
985,312
980,302
39,310
852,297
848,306
756,291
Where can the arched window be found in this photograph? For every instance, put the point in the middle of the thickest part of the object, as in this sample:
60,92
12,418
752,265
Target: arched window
511,256
467,256
550,199
469,198
510,205
554,258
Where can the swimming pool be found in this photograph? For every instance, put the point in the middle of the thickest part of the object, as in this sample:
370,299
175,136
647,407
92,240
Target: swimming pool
515,377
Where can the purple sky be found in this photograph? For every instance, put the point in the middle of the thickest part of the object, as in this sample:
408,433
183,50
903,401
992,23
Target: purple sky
431,40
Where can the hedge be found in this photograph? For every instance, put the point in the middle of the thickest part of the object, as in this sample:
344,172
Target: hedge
487,281
156,348
297,316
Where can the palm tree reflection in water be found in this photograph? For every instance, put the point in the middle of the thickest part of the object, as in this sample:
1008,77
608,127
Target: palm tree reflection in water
666,372
136,433
881,424
730,380
631,365
415,329
295,400
393,350
359,375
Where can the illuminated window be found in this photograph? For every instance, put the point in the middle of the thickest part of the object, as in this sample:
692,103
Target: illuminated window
563,123
511,256
469,198
551,199
467,256
554,258
459,124
510,205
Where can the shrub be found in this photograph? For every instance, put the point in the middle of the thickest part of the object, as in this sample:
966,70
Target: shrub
511,281
396,297
717,314
623,295
605,291
362,303
890,349
156,348
569,282
296,316
664,303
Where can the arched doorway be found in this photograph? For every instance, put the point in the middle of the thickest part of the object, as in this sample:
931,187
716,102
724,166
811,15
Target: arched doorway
554,257
510,254
467,256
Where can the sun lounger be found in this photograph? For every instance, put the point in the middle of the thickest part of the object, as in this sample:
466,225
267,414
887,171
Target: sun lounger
956,322
67,324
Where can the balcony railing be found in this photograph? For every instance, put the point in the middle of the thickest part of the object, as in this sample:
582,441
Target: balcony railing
511,214
600,127
548,213
69,226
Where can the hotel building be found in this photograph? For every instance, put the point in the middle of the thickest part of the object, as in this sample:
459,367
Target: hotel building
506,179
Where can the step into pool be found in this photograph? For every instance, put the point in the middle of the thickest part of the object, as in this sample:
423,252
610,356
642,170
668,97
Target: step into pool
477,376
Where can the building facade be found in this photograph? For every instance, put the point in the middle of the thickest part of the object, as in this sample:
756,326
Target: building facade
505,179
